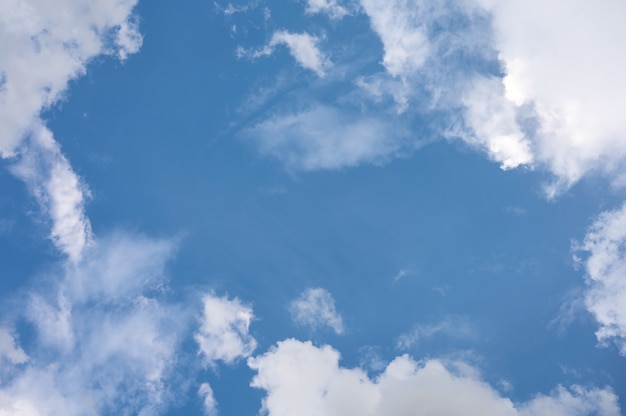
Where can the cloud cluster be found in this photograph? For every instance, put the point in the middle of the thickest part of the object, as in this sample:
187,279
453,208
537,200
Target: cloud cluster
315,308
105,339
547,97
300,378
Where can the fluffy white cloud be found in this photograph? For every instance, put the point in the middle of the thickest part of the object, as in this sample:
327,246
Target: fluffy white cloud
105,341
43,45
605,265
492,120
302,379
330,7
565,59
326,138
315,308
57,188
224,330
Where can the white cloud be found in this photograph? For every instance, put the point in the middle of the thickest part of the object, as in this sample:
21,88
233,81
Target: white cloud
58,190
301,379
605,265
566,60
209,404
330,7
492,119
224,330
315,308
326,138
9,349
401,30
46,44
302,46
101,346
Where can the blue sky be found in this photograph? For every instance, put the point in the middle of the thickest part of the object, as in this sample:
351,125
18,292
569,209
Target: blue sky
312,207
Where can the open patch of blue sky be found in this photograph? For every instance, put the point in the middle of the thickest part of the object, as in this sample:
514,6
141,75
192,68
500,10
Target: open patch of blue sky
313,207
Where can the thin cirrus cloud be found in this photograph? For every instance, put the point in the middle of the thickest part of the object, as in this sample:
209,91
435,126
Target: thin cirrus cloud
453,327
325,137
300,378
315,308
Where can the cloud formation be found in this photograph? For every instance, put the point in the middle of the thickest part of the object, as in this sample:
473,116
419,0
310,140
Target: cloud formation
325,137
224,330
300,378
302,46
59,191
400,26
315,308
605,264
105,341
564,60
329,7
44,46
452,327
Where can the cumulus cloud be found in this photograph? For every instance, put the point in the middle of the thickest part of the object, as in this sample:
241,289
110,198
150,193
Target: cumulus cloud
492,119
224,330
44,46
564,59
106,340
605,264
315,308
300,378
302,46
324,137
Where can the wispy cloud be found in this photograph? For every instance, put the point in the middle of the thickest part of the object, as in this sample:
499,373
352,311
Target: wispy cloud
605,265
315,308
302,46
103,331
458,328
59,191
330,7
324,137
